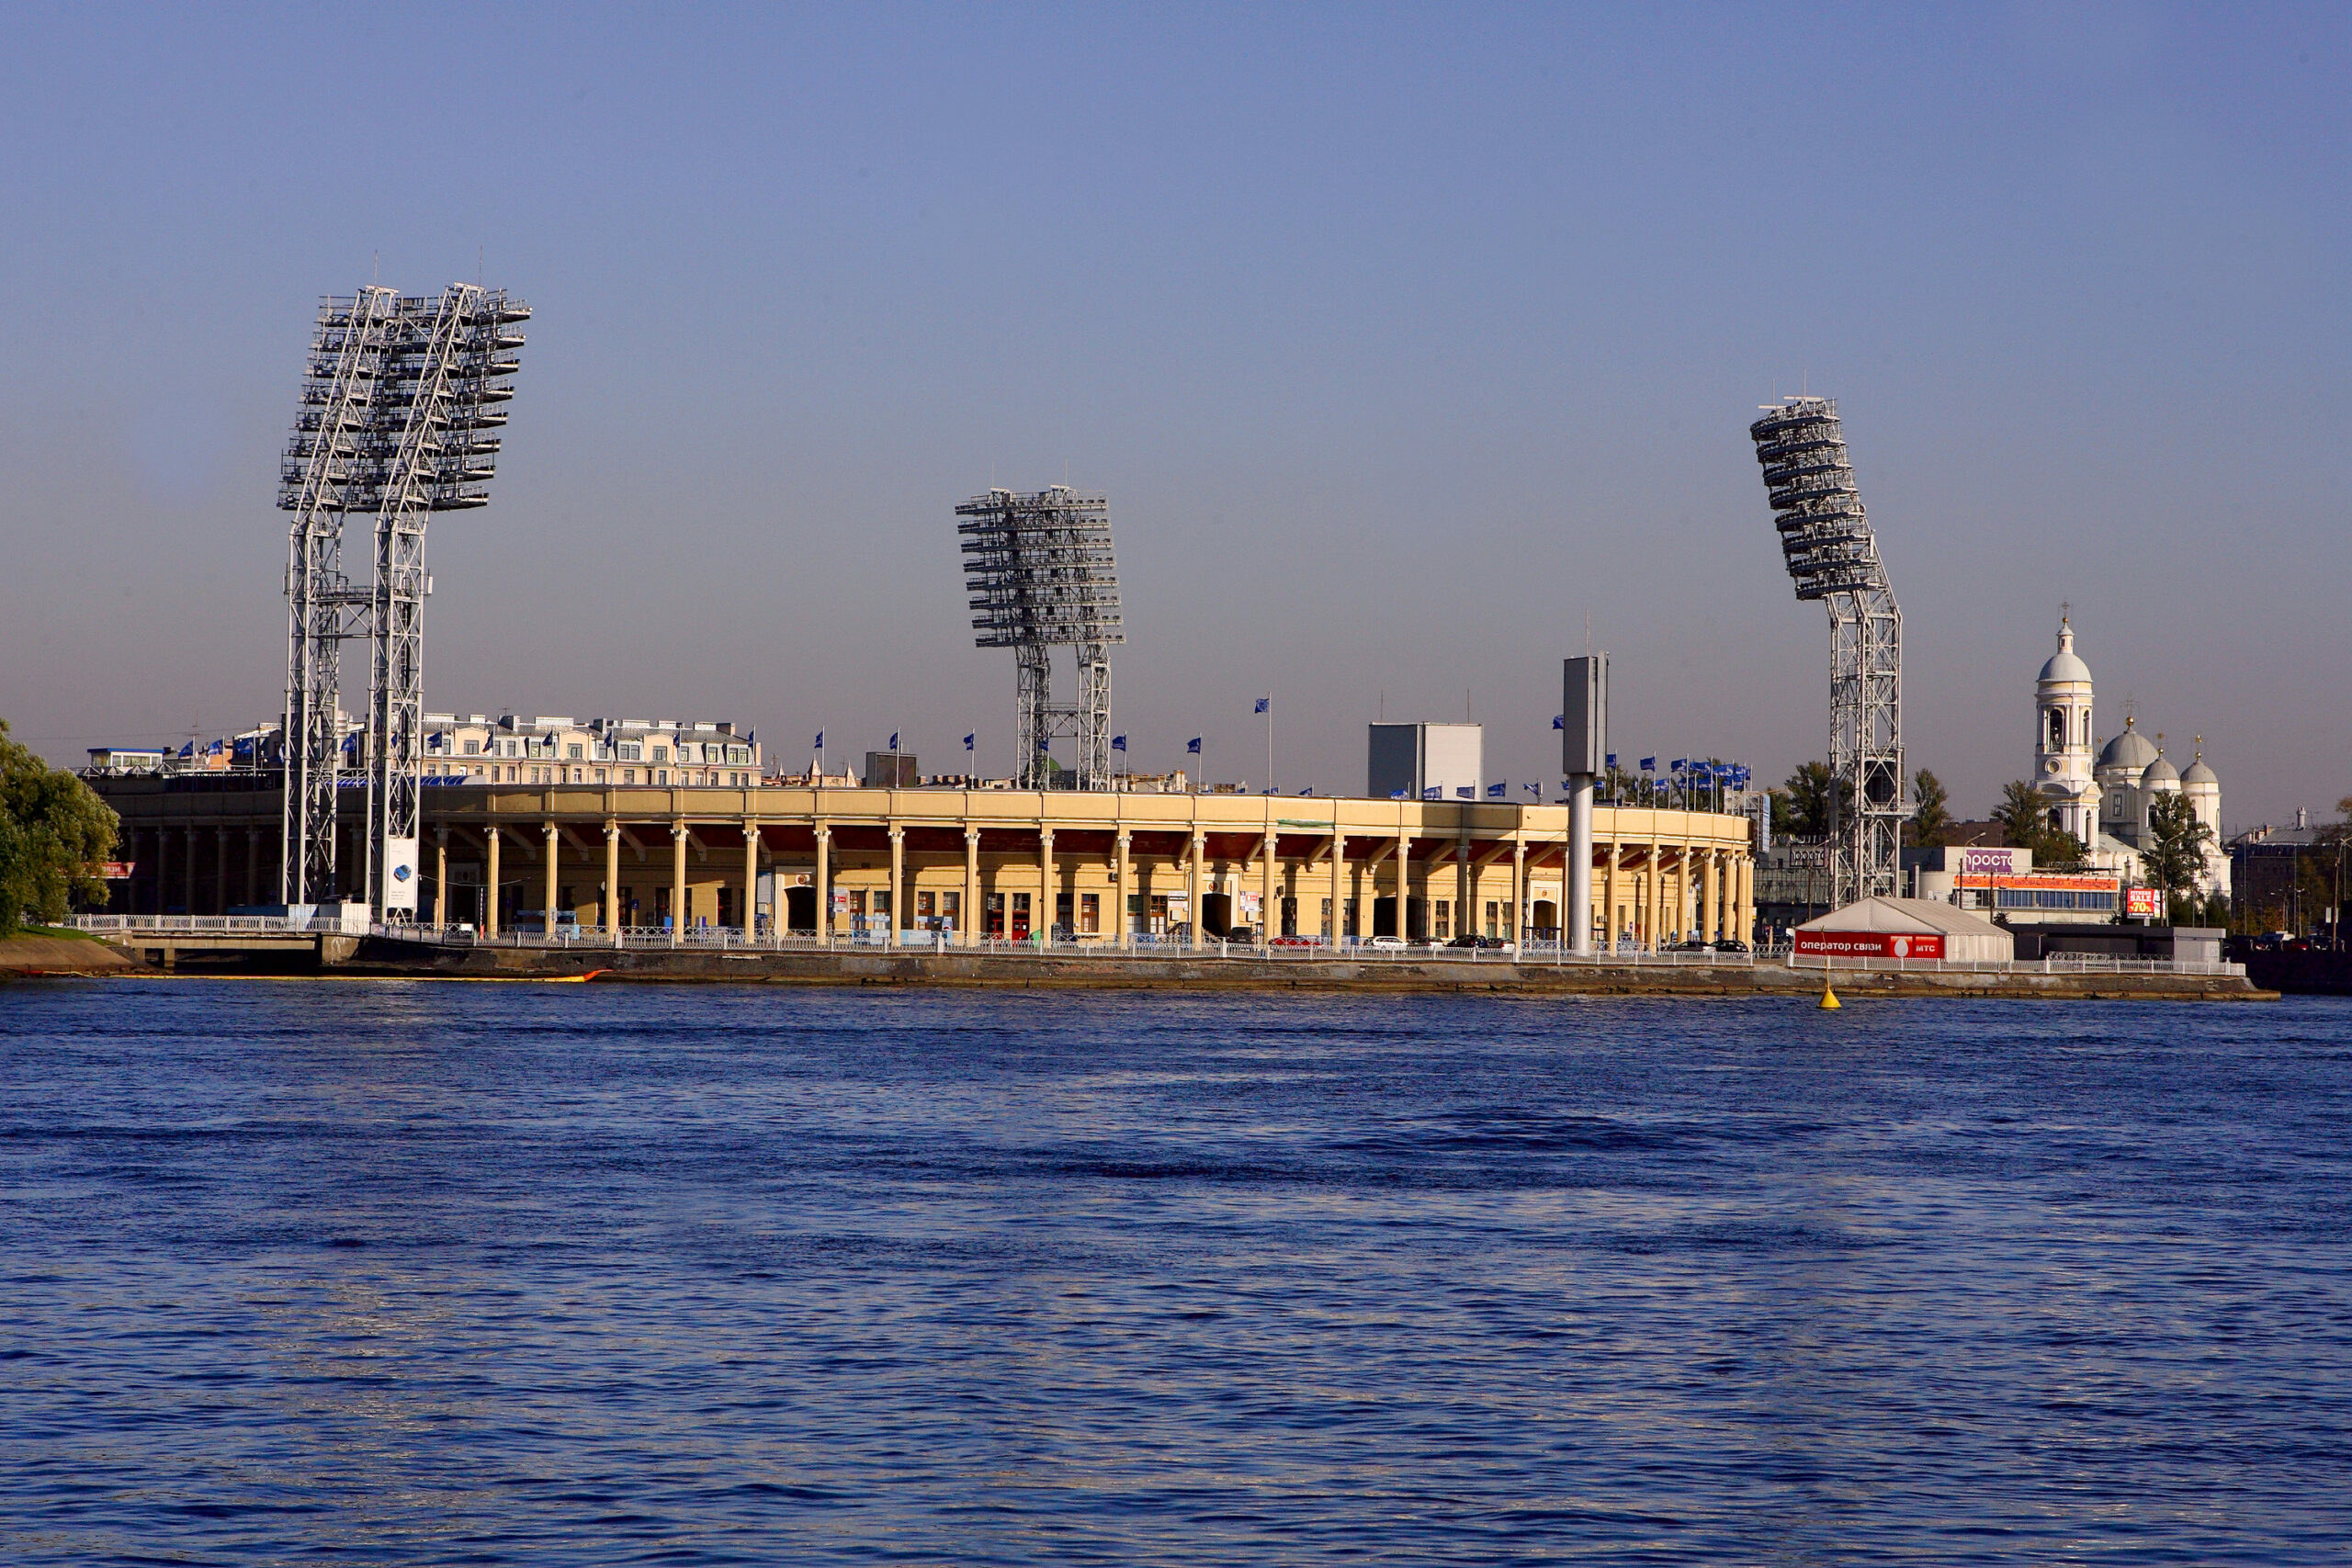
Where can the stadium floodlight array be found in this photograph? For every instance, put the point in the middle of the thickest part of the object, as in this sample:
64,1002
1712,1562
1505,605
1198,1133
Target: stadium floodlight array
1832,556
398,416
1041,576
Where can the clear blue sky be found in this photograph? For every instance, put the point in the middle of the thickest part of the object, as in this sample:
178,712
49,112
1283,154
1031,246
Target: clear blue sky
1401,340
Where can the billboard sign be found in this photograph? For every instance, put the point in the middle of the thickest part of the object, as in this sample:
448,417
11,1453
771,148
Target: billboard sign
401,880
1979,861
1584,716
1871,944
2144,903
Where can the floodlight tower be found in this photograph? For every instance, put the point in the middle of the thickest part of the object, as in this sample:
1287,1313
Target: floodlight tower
1833,557
1041,576
327,473
398,411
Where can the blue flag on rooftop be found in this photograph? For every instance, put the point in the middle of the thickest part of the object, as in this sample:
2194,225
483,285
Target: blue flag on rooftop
1682,764
1263,703
1193,745
1118,743
1559,721
1498,789
894,740
1433,793
1535,790
1396,795
1468,792
1649,765
820,740
968,741
1612,761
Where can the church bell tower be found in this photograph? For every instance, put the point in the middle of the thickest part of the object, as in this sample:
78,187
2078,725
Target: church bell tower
2062,755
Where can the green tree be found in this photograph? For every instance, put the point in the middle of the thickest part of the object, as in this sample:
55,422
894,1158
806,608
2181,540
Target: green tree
1801,807
2024,816
2174,856
1931,817
55,837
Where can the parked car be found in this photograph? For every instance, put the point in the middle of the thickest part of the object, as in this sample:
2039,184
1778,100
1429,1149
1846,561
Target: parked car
1692,945
1293,941
1731,944
1387,944
1484,944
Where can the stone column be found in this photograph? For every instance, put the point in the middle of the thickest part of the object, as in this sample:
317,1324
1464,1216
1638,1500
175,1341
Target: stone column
1654,895
1404,885
1041,918
612,878
1268,915
1704,915
824,885
1338,921
1682,914
751,878
677,880
1465,882
1608,899
189,897
1518,924
1124,886
1747,897
551,834
440,878
897,887
1194,870
972,918
490,876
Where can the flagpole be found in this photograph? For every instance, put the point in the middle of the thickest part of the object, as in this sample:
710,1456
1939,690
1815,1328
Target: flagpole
1270,740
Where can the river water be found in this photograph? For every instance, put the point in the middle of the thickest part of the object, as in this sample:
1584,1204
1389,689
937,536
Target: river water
411,1272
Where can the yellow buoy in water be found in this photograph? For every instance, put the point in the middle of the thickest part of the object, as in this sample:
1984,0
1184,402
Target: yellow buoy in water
1829,997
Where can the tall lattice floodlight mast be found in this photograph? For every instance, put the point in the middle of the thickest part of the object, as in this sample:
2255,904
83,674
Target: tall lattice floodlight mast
1832,557
1041,575
399,421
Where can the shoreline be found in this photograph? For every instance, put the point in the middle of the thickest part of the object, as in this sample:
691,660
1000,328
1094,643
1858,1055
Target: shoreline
382,958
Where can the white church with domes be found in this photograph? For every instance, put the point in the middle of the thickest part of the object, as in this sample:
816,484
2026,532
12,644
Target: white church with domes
2104,802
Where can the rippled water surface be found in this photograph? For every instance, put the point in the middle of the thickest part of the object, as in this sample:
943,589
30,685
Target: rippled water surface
480,1273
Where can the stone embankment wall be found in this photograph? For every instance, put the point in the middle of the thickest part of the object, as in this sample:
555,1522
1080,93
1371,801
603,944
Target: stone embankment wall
854,967
29,954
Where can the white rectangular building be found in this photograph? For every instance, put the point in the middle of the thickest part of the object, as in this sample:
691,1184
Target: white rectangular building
1426,762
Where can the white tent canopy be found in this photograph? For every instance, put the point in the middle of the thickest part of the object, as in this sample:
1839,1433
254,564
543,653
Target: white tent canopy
1904,928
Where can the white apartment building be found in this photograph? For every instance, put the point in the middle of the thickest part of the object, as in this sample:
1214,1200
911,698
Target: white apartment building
556,748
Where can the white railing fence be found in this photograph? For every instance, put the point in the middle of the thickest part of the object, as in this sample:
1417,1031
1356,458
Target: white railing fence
1282,949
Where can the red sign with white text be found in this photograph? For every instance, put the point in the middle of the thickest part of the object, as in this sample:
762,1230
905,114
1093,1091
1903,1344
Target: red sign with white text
1871,944
2145,901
